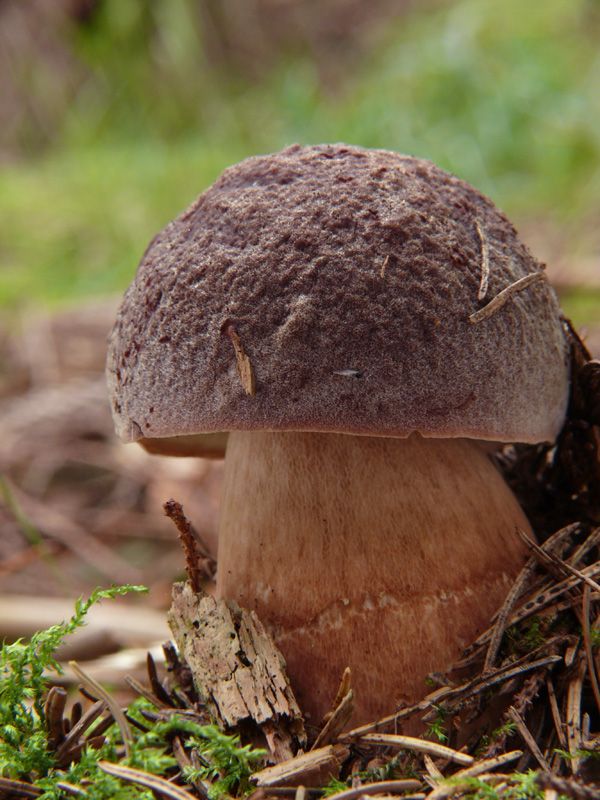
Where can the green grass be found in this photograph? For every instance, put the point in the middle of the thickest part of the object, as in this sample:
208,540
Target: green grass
503,94
581,306
75,224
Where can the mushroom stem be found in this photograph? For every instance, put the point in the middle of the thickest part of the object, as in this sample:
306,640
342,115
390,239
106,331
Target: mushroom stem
385,555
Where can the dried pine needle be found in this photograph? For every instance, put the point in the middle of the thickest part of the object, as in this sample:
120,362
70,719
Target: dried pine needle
485,262
500,299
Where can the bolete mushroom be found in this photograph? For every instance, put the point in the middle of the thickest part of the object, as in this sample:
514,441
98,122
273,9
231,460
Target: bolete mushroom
364,325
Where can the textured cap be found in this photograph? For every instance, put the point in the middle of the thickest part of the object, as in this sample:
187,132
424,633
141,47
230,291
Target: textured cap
336,288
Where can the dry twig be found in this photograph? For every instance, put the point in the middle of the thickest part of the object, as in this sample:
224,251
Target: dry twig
174,511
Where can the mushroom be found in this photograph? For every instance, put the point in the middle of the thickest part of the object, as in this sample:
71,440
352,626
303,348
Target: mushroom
366,327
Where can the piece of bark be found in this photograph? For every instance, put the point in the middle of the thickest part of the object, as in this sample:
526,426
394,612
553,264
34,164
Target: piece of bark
336,722
238,672
315,768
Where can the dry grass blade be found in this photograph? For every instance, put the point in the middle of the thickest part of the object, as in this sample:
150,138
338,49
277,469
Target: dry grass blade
146,693
447,693
418,746
556,540
574,737
527,737
449,789
504,296
584,548
184,761
382,787
547,598
394,719
16,789
434,777
565,787
587,638
70,789
504,614
558,723
114,708
554,563
506,673
153,782
345,686
76,731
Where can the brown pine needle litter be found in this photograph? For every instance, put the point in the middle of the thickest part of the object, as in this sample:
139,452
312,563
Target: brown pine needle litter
519,717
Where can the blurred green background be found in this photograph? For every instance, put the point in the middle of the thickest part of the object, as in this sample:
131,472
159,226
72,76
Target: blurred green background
115,114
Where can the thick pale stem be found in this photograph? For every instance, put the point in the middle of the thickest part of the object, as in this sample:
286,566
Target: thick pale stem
385,555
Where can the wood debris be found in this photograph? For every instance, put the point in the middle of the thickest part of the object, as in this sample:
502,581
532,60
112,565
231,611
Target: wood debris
174,511
315,768
237,670
337,721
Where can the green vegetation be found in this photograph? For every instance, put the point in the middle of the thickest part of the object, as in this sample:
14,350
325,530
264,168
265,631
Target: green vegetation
522,786
23,686
27,754
227,765
437,728
504,95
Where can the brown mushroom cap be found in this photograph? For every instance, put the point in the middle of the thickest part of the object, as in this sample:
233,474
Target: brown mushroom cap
348,277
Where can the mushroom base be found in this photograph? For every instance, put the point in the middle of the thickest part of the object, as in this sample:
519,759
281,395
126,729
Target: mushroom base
385,555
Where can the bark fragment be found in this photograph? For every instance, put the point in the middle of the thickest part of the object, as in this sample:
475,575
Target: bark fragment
238,672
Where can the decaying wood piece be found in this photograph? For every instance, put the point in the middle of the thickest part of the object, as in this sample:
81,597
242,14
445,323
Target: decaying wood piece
337,721
174,511
315,768
238,672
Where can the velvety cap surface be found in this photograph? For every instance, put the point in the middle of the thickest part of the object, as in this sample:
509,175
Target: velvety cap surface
345,279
